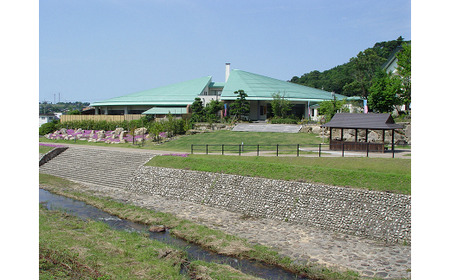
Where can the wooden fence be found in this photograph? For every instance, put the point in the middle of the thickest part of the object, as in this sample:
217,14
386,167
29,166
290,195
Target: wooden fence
109,118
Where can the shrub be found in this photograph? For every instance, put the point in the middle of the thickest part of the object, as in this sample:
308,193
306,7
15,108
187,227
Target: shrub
47,128
283,121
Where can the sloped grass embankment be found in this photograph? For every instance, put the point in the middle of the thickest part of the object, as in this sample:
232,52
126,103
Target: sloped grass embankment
392,175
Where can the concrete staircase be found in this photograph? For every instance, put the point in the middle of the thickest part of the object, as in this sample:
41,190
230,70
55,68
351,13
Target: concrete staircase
105,167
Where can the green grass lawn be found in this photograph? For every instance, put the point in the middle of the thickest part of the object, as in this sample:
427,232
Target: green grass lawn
183,143
45,149
380,174
226,137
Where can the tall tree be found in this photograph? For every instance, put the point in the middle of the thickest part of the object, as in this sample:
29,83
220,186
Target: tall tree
404,71
198,111
365,66
384,92
212,108
240,107
280,105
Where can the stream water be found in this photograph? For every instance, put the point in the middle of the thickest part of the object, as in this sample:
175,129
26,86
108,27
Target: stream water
194,252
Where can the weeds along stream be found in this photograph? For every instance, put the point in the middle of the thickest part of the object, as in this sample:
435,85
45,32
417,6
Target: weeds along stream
194,252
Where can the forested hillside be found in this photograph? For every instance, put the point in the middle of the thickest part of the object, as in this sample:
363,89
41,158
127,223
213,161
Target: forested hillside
354,77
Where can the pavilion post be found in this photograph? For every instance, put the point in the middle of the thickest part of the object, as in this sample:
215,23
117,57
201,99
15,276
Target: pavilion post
331,138
356,135
393,133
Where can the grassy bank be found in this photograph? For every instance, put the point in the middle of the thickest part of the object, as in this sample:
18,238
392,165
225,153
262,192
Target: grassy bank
70,248
44,149
214,240
379,174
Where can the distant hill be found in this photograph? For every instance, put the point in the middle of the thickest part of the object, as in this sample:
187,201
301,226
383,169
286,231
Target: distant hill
341,79
61,107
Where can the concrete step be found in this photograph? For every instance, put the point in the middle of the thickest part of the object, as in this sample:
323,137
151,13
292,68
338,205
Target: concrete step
96,166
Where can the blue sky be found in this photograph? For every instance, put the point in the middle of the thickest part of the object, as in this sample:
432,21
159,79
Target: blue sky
94,50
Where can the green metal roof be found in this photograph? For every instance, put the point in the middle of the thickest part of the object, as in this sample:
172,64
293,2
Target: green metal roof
179,94
166,110
216,85
259,87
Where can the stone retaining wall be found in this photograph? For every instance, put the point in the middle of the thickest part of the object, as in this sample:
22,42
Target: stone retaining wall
377,215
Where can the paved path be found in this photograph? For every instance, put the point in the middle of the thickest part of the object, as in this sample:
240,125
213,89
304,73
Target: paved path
263,127
301,243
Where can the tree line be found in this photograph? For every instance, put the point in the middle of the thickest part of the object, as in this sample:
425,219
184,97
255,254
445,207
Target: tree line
61,107
364,76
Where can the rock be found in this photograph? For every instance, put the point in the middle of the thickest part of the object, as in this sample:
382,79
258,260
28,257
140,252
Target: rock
101,134
316,129
140,131
372,137
118,131
122,135
157,228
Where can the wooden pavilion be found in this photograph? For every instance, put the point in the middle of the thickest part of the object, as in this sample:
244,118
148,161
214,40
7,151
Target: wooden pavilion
357,122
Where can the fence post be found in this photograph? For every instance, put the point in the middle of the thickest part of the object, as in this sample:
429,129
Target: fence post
298,149
368,144
239,149
343,144
222,149
257,150
277,149
206,148
192,149
320,149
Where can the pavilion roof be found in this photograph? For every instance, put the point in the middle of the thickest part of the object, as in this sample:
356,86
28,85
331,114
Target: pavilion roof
363,121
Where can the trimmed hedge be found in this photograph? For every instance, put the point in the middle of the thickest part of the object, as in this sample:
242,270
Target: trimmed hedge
172,126
283,121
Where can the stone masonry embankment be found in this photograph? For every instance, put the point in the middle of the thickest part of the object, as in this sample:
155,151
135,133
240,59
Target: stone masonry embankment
377,215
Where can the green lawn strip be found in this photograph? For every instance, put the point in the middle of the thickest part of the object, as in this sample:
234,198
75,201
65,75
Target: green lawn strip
226,137
372,174
211,239
45,149
76,249
183,143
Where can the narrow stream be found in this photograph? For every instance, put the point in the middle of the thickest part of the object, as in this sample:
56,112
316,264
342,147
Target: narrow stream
194,252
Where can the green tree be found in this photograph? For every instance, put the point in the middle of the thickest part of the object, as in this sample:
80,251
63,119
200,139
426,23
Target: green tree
366,65
198,111
212,108
331,107
240,107
74,112
280,105
384,92
404,72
